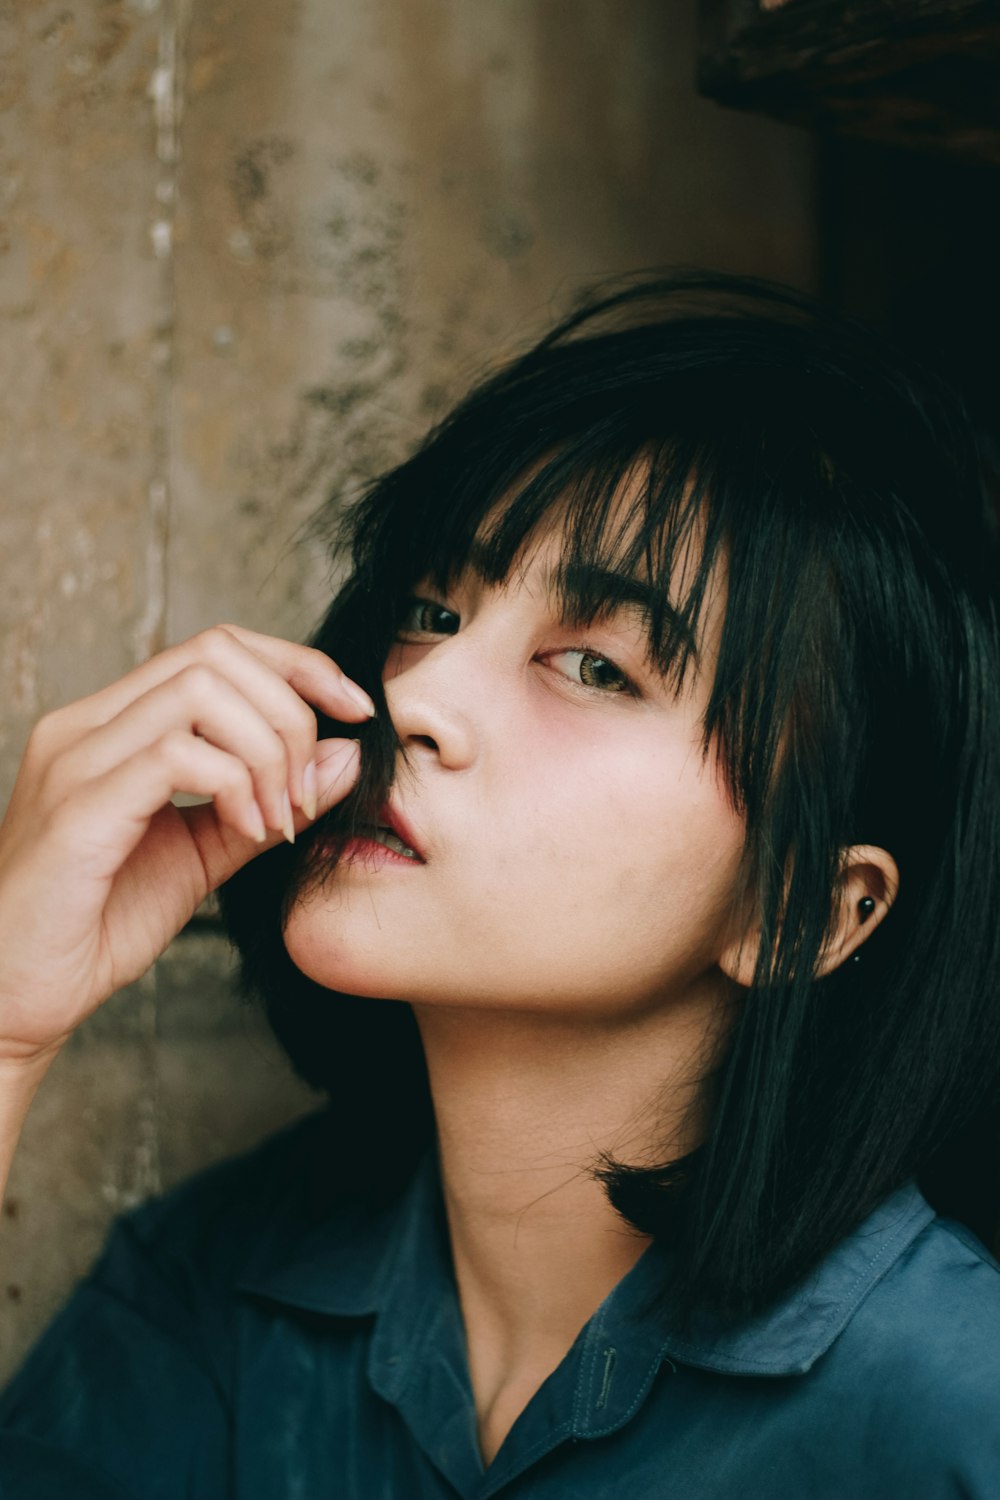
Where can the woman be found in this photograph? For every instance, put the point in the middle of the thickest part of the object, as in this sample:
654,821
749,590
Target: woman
643,938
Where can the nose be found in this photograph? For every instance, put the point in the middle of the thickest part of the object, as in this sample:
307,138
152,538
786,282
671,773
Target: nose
431,701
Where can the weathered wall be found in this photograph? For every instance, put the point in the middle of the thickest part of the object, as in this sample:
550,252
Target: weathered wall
247,251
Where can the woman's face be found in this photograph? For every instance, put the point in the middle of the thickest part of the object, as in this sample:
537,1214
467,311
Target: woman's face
580,854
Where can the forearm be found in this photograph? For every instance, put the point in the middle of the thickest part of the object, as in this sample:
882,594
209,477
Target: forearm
18,1084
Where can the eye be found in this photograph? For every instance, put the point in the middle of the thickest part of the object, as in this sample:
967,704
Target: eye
424,617
595,672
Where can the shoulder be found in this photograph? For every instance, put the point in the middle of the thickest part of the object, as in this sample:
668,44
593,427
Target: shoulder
159,1313
163,1294
918,1365
941,1298
205,1234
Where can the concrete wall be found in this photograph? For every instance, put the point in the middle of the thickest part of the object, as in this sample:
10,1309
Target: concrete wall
247,251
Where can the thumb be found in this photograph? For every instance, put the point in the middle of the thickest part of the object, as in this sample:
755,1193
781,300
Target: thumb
338,763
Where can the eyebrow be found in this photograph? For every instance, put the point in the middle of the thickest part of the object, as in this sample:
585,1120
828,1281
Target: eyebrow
598,589
595,589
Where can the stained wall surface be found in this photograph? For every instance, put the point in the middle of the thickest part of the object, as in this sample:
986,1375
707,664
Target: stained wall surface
247,252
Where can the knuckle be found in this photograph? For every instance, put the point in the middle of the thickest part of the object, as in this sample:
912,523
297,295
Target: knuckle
275,762
45,735
299,724
323,663
215,643
319,658
173,748
197,681
237,779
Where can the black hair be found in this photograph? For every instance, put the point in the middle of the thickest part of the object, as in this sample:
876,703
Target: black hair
856,699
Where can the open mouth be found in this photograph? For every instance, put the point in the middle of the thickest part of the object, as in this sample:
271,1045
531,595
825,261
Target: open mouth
389,839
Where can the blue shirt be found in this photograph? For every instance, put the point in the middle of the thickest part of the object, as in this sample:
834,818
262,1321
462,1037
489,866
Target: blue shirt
235,1342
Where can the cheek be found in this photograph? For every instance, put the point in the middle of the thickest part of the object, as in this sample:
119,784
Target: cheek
643,792
640,832
682,854
690,813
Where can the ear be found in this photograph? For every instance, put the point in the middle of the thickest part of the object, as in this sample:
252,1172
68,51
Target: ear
865,890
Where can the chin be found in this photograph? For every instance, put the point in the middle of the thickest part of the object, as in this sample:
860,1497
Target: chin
330,963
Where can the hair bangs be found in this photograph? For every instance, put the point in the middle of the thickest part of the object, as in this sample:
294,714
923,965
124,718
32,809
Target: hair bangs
627,521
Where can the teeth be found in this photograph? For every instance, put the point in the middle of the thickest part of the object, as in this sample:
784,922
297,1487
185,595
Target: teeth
393,841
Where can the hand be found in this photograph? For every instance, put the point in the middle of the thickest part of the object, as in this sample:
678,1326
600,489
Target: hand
98,869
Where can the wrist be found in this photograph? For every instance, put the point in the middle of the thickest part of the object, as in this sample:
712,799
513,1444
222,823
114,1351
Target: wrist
21,1071
19,1080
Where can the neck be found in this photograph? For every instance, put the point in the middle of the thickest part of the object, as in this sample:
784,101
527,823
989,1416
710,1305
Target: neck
524,1104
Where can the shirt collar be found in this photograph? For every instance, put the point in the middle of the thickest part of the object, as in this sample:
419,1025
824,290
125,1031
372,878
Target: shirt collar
340,1267
361,1261
790,1335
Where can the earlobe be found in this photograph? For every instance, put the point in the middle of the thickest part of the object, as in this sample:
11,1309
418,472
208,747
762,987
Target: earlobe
738,961
866,889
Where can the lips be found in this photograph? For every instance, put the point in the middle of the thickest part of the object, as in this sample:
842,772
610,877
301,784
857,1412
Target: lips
389,817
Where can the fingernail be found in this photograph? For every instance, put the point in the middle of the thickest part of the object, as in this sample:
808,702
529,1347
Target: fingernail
288,826
257,824
360,697
309,790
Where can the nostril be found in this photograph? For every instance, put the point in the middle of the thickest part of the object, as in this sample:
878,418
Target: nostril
422,739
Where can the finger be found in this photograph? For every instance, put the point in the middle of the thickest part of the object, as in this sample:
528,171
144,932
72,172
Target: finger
110,814
312,674
225,849
200,702
234,650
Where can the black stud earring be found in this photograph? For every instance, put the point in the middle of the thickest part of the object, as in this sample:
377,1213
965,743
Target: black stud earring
865,907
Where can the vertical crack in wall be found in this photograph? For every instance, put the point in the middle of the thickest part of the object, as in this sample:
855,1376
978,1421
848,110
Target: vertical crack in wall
166,93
